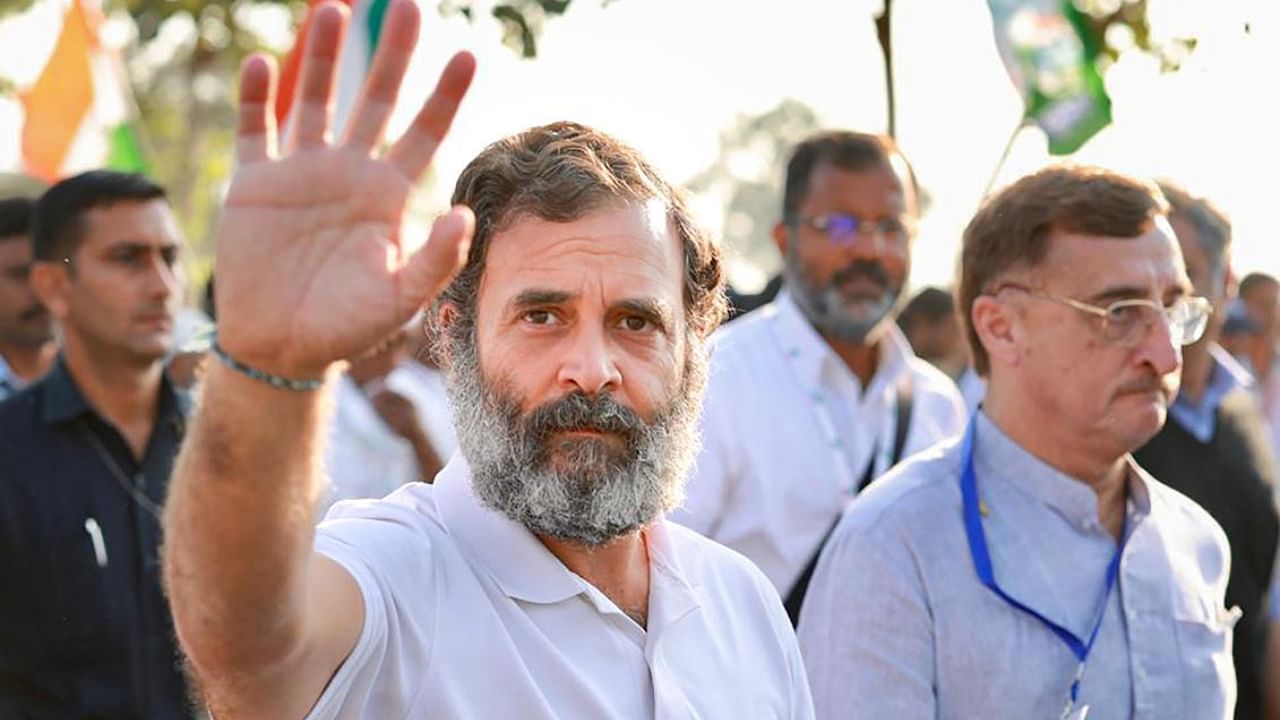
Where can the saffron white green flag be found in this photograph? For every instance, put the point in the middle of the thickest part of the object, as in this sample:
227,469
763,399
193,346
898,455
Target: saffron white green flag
357,54
79,113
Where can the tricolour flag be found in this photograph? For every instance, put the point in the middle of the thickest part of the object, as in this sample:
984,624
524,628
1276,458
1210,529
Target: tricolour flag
357,54
80,111
1050,57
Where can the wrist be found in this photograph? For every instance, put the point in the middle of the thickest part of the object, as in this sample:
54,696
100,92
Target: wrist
294,378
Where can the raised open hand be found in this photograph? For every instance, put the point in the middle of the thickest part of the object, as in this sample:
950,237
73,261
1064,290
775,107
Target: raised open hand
310,263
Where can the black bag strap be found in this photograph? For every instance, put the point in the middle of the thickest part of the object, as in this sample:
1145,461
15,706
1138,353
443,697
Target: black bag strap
904,401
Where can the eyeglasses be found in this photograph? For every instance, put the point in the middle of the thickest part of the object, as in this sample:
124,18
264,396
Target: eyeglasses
1126,322
842,229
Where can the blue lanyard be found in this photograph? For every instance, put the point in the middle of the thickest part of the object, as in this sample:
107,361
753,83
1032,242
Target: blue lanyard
982,563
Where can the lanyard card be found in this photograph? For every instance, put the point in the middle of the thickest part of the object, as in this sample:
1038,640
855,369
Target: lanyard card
1072,712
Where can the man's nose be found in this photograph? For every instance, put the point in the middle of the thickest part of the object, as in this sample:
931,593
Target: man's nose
164,278
589,364
1161,348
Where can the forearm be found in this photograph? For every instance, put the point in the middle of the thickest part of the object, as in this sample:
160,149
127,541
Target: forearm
239,522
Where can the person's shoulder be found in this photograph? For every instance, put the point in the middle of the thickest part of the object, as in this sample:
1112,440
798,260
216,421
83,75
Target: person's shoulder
929,381
702,558
1183,522
722,572
911,498
20,416
749,324
402,527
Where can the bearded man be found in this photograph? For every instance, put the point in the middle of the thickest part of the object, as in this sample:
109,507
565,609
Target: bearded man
537,577
818,393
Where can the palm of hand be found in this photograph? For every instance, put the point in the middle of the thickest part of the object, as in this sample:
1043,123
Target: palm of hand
309,257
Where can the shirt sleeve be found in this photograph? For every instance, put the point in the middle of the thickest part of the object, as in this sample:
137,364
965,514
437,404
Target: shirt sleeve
866,632
393,568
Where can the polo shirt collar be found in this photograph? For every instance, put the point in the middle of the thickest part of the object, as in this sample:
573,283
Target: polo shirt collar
526,570
997,456
64,402
522,566
812,358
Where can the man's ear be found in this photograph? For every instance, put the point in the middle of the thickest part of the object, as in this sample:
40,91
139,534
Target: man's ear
996,326
446,316
51,282
781,237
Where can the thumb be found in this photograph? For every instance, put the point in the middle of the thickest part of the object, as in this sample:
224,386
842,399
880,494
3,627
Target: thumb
433,265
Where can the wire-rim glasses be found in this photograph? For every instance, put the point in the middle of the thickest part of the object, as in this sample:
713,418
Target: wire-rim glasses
1126,322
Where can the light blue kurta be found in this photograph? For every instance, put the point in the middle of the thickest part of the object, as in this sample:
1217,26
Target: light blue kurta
898,625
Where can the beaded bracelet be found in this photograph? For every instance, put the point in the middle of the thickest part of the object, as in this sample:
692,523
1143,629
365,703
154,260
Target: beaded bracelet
275,381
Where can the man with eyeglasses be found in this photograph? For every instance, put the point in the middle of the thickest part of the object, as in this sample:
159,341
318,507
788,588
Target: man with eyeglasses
813,396
1215,446
1031,568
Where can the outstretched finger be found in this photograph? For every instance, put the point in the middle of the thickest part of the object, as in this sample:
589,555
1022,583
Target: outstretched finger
412,153
435,263
255,134
313,106
395,48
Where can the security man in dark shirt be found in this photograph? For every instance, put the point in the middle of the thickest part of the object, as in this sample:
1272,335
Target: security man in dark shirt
85,456
1214,448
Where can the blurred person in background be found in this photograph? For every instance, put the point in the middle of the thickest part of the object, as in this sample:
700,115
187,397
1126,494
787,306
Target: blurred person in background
85,458
377,441
1215,447
816,394
27,345
930,324
1260,295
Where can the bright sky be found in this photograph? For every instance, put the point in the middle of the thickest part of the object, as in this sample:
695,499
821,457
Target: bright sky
669,75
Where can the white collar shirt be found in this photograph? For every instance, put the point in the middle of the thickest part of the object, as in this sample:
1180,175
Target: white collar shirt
789,432
468,615
897,624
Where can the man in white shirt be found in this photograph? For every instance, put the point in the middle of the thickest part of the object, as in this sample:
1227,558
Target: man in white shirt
814,395
537,578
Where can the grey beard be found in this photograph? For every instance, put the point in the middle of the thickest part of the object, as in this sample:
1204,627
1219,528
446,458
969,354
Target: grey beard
583,490
827,310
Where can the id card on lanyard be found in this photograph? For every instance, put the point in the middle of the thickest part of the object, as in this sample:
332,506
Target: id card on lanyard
981,556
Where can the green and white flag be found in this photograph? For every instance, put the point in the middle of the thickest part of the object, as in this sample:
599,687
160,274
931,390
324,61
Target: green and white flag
1050,57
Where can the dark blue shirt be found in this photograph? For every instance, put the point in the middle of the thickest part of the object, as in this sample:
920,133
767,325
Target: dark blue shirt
85,631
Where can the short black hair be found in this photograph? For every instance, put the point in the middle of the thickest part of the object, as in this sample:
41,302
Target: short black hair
15,216
930,305
59,213
846,150
1255,280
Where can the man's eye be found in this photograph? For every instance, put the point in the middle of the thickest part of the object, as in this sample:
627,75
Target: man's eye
1126,314
636,323
539,317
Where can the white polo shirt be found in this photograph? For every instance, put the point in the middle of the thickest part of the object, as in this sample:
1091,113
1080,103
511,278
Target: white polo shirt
789,431
468,615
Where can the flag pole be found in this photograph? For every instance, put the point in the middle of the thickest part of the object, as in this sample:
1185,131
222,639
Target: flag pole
1004,156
